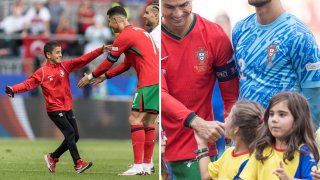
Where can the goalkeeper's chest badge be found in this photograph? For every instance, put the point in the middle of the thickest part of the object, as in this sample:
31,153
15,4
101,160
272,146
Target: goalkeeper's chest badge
201,55
271,51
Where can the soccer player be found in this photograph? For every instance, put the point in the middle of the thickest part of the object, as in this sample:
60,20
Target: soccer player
151,16
274,52
194,54
141,53
53,77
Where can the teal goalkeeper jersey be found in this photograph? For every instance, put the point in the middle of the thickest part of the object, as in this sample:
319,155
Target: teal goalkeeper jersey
276,57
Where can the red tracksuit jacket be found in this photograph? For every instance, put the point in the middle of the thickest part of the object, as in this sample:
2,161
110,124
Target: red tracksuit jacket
55,83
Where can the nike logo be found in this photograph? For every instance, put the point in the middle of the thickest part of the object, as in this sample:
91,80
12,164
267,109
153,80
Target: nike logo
164,58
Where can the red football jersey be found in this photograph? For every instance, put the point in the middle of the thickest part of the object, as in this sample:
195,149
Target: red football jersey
190,67
141,53
54,81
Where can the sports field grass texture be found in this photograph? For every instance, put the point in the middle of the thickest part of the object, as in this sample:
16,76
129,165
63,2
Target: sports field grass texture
23,159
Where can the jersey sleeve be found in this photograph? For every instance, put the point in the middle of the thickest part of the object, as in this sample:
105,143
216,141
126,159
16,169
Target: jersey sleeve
33,81
313,97
74,64
226,73
307,164
173,108
305,55
119,46
102,68
119,69
215,167
250,170
122,43
235,38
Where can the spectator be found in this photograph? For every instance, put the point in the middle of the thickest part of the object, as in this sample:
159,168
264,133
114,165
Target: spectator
14,25
66,35
86,13
56,10
38,19
97,34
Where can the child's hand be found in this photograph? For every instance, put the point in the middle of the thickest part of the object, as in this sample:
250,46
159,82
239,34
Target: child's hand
163,141
84,81
200,141
281,173
315,175
9,91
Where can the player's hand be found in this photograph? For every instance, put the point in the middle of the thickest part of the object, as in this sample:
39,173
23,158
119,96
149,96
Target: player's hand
106,48
281,173
83,81
98,80
9,91
210,131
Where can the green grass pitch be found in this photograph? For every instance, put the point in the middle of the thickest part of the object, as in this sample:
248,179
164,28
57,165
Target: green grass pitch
23,159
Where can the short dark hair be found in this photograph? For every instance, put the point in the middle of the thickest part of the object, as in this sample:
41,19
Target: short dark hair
155,5
49,46
117,10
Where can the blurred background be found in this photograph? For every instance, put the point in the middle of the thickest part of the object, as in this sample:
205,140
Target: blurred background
235,10
80,26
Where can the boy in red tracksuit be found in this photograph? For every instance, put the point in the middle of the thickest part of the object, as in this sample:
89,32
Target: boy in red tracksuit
53,77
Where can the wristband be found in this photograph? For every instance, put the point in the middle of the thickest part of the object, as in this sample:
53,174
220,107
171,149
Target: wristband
189,119
90,76
202,156
198,151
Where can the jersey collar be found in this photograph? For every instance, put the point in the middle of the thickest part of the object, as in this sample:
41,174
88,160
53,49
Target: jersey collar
167,31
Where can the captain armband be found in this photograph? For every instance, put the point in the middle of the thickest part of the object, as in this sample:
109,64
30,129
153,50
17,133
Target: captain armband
112,58
226,72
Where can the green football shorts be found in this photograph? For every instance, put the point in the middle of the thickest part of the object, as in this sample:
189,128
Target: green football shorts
187,170
146,99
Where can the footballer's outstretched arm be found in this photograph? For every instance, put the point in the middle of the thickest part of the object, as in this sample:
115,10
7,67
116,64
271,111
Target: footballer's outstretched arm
171,107
103,67
119,69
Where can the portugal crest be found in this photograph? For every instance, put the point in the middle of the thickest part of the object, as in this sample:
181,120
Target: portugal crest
271,52
201,54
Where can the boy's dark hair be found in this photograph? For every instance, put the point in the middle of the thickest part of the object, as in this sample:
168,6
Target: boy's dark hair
49,46
117,10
